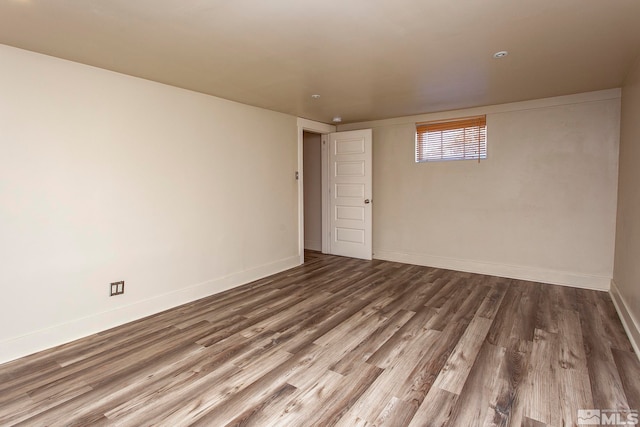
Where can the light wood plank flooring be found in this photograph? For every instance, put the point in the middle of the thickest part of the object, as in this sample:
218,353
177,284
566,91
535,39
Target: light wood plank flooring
342,342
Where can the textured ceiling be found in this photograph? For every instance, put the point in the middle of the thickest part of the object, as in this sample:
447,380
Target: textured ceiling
368,59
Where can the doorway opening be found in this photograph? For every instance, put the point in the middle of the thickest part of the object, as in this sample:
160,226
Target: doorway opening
312,182
334,212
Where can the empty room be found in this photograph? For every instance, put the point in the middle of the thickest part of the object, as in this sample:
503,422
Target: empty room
319,213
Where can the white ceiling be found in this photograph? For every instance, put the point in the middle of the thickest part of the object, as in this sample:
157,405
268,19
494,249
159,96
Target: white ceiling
368,59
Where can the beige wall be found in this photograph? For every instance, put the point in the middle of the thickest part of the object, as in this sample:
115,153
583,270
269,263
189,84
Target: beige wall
312,151
541,207
626,273
106,177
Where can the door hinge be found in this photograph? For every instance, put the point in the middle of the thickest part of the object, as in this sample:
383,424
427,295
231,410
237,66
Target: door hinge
297,175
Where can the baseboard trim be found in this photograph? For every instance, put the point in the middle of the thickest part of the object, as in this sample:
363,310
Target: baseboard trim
33,342
631,325
313,245
576,280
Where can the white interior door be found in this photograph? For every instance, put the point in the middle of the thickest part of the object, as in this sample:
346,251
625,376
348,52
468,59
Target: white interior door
350,211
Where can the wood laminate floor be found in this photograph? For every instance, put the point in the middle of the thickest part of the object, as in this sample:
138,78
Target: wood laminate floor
344,342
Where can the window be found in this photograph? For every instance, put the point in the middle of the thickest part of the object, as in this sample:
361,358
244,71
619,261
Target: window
459,139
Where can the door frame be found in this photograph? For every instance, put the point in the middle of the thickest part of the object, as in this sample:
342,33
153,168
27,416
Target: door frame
323,129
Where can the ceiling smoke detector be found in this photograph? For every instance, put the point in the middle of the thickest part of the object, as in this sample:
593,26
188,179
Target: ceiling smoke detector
315,96
337,119
500,54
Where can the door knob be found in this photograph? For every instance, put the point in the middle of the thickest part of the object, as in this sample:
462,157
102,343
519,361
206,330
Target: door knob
367,201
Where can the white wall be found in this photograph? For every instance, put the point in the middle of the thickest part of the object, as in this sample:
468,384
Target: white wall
312,191
106,177
626,273
541,207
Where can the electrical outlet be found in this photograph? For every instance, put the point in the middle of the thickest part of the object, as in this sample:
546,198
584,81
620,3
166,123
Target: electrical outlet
117,288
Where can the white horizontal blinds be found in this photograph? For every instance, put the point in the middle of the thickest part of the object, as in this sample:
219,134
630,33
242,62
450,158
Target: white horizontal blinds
460,139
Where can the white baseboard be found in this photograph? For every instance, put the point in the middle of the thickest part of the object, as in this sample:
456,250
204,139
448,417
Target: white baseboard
630,324
313,245
14,348
576,280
